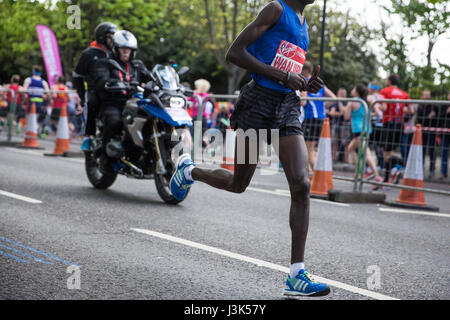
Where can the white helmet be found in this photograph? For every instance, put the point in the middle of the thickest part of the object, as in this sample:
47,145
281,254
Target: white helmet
124,39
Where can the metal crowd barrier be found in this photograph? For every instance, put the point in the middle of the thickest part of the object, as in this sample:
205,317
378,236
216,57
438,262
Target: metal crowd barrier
359,180
364,132
13,105
405,102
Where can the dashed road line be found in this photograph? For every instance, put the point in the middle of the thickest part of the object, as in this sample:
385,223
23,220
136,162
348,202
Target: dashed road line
286,193
19,197
422,213
262,263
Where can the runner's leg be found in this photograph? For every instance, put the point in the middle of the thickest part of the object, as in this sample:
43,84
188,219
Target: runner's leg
224,179
294,159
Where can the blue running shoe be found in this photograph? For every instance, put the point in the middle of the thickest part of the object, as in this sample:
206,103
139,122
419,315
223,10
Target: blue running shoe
179,185
86,145
304,285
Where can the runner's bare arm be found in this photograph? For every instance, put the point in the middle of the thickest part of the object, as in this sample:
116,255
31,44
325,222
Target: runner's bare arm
329,94
239,56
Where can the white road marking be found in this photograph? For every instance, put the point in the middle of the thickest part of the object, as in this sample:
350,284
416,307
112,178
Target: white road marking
41,153
19,197
286,193
26,151
423,213
261,263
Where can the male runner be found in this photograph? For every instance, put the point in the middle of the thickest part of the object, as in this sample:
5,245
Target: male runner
273,49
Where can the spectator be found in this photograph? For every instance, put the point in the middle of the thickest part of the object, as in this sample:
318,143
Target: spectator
73,110
393,123
3,109
60,100
377,123
202,87
37,87
19,112
427,117
444,122
336,114
357,113
222,122
314,114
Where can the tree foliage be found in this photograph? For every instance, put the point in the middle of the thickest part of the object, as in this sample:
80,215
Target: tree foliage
198,33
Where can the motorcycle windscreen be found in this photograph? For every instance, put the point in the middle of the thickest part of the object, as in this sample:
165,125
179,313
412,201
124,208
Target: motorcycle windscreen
174,116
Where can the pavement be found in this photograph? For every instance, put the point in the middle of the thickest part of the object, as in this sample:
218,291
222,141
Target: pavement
62,239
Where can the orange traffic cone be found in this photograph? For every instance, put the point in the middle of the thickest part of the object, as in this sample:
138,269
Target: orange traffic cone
322,178
413,176
62,134
31,130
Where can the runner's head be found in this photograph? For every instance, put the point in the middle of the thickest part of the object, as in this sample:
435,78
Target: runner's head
426,94
124,45
307,69
342,93
15,79
202,85
60,80
104,32
360,91
393,80
373,88
36,70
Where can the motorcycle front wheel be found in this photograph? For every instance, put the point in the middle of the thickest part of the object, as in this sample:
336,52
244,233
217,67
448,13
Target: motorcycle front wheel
98,179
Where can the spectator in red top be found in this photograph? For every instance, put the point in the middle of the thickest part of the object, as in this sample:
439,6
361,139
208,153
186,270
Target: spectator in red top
18,99
393,126
60,99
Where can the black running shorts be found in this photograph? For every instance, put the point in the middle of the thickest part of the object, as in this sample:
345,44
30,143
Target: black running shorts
258,107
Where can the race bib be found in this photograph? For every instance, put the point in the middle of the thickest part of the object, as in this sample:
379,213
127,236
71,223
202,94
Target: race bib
289,57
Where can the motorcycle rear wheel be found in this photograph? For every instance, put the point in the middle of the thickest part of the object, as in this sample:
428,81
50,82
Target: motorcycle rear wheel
98,179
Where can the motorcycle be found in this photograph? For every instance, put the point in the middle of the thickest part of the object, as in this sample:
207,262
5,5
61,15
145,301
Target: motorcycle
147,149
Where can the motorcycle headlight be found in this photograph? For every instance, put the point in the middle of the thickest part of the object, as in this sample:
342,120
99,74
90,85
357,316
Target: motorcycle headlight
176,102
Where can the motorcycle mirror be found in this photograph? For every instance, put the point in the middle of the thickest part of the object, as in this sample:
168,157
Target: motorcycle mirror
183,70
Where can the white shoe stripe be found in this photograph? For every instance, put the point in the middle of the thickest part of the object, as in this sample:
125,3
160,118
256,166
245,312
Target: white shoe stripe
298,284
305,284
176,179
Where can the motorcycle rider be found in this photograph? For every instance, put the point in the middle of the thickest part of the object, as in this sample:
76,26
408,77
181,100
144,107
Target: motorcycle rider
115,77
84,72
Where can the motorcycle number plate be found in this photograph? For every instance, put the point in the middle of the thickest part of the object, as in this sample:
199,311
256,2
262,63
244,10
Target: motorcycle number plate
178,114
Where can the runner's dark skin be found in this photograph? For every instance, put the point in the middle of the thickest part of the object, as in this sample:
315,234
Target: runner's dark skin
292,149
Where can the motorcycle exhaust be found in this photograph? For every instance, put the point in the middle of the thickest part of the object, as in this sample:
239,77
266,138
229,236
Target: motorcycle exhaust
139,172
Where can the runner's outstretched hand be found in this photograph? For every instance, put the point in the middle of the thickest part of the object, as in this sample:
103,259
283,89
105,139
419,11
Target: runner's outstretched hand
315,83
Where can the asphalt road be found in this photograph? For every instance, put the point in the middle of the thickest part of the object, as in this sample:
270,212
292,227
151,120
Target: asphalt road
67,240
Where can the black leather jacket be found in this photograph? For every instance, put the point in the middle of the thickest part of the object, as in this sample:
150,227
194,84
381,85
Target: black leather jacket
109,71
84,70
